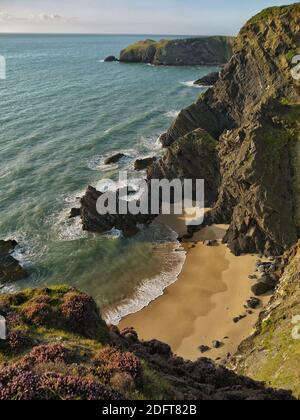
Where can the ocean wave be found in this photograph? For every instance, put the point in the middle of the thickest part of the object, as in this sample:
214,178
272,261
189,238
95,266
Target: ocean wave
172,114
65,229
152,143
150,289
190,83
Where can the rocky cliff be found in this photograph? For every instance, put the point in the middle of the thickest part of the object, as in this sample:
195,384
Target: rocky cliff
253,114
58,348
215,50
272,352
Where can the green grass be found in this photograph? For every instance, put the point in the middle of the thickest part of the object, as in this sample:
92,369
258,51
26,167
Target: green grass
144,45
273,12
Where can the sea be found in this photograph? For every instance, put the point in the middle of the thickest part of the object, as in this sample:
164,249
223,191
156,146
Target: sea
63,111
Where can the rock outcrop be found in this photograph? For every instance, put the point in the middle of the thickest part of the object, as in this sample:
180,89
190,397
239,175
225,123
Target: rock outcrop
142,164
215,50
114,159
209,80
93,362
192,157
10,269
253,114
92,221
110,59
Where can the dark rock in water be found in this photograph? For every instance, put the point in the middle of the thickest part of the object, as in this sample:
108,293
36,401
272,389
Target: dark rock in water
6,247
141,164
110,59
204,349
75,212
94,222
10,269
209,80
253,303
114,159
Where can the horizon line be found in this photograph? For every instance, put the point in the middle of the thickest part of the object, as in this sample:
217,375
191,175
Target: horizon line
107,33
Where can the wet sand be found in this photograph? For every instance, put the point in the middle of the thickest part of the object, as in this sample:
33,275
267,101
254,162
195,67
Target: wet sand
199,308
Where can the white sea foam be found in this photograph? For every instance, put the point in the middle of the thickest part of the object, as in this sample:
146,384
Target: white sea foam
190,83
150,289
152,143
172,114
66,229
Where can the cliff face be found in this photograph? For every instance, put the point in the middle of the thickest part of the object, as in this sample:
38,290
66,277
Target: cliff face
191,51
253,113
58,348
272,353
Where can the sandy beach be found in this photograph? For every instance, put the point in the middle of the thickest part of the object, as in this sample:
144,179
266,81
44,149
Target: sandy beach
199,308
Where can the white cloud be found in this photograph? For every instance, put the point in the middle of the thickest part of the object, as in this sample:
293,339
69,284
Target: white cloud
5,17
42,17
51,17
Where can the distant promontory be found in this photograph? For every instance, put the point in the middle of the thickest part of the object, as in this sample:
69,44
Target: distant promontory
214,50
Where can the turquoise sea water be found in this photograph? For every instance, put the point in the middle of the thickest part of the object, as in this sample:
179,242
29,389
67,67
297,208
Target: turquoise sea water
62,111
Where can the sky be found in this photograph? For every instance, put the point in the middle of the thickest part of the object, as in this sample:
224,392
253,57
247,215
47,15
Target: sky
178,17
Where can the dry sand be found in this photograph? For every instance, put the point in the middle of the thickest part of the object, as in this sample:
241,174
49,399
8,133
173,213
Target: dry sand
199,308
